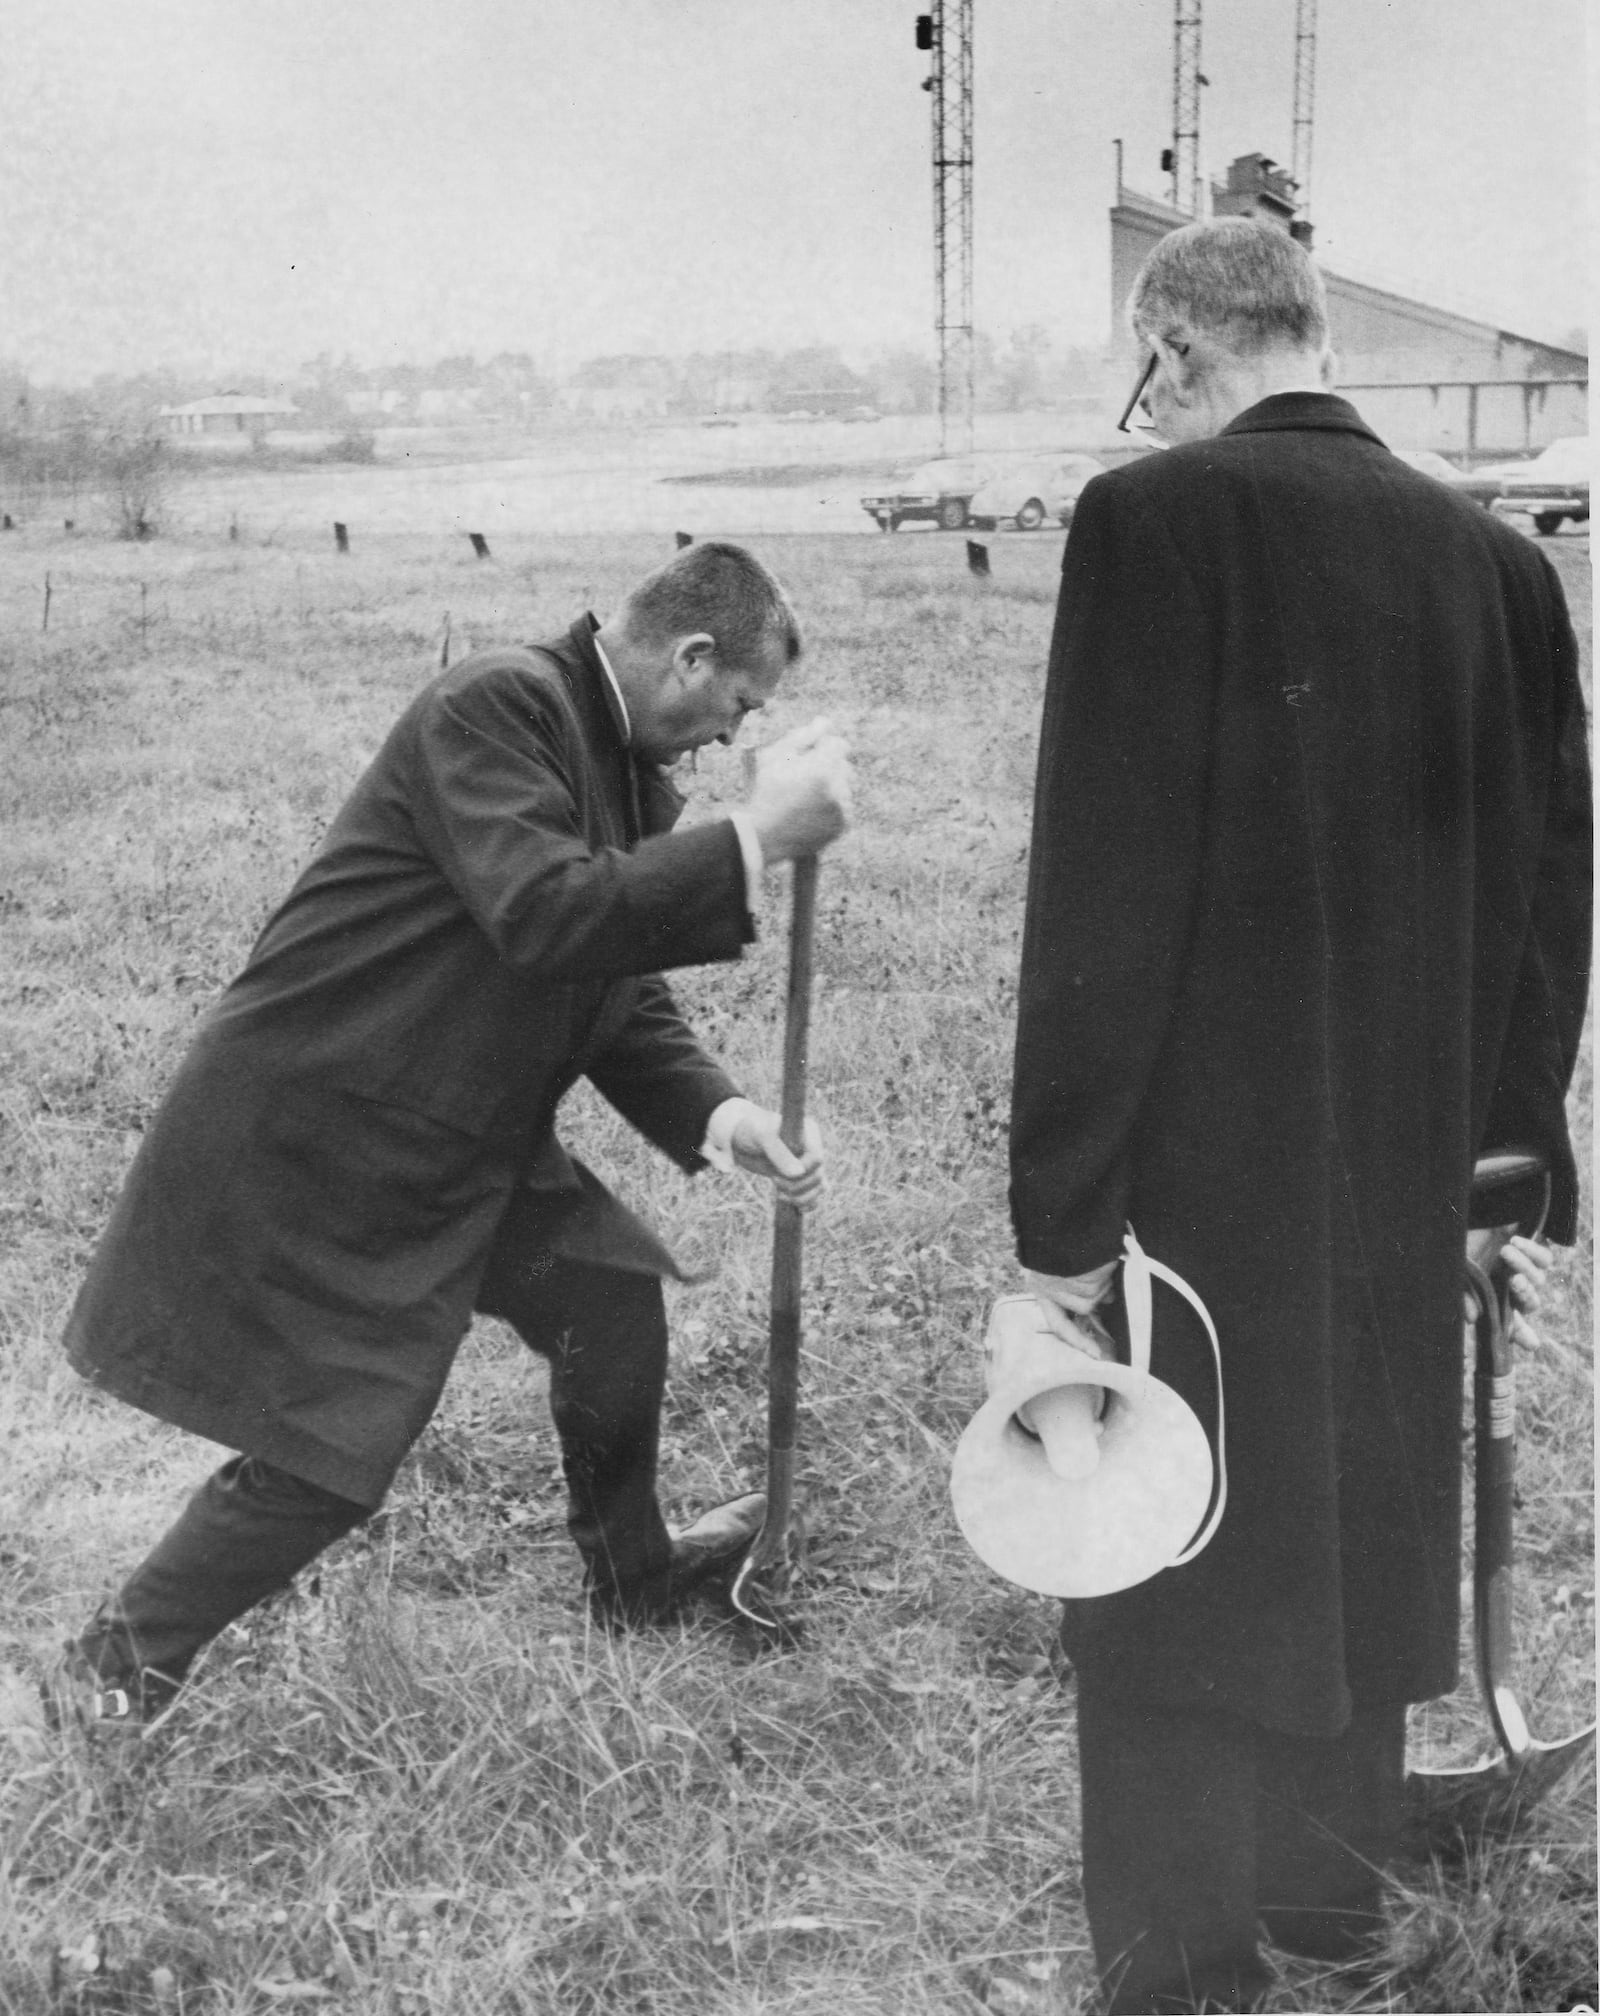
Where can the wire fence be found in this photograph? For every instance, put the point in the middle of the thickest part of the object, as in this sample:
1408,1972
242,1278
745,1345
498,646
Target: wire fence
60,611
58,603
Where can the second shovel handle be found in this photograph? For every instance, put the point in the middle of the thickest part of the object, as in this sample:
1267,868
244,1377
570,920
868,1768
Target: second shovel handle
1494,1418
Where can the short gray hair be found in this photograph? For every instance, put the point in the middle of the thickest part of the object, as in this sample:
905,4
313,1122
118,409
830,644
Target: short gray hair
721,588
1248,284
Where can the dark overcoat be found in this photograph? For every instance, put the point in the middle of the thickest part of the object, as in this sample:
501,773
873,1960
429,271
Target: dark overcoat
1307,929
371,1105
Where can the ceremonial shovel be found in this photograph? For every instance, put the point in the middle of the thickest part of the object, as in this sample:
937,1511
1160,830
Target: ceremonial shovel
1511,1191
764,1570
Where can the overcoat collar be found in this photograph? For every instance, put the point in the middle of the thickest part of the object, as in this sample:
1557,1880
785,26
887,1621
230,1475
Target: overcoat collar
653,801
593,691
1286,411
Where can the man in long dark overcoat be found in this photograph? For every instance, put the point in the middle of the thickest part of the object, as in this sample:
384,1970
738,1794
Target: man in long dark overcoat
359,1148
1307,930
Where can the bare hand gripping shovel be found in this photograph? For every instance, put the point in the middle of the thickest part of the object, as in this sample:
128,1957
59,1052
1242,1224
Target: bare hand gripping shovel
1512,1192
763,1574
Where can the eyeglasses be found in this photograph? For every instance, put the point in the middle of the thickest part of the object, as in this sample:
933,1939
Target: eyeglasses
1124,425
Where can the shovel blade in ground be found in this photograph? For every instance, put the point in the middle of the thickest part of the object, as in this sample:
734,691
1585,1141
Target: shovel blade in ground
761,1588
1491,1797
1494,1796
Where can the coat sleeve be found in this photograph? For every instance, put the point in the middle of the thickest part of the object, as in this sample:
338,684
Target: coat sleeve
497,768
658,1077
1528,1106
1118,824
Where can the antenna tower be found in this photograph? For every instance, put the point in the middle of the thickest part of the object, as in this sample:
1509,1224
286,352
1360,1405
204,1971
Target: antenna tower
1186,82
947,34
1305,84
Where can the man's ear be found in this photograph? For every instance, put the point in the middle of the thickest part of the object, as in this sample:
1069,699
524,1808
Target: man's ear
1178,356
692,653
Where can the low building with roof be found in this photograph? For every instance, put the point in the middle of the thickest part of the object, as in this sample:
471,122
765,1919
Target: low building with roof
226,415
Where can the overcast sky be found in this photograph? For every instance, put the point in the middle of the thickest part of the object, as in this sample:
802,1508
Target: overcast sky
230,185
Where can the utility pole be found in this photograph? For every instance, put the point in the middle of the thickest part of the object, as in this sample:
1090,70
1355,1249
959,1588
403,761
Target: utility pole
946,34
1305,85
1186,83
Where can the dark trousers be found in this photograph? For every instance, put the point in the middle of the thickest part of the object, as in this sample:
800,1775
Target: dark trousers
250,1528
604,1331
1200,1831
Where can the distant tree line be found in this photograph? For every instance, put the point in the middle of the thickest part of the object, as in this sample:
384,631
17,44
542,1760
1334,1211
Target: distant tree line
1027,369
70,452
104,445
330,392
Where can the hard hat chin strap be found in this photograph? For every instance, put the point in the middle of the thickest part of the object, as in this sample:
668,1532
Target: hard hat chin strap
1138,1272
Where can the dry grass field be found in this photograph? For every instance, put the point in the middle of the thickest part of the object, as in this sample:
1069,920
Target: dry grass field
421,1782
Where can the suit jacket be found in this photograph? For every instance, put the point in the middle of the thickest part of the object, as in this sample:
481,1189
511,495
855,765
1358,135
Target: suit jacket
296,1251
1307,929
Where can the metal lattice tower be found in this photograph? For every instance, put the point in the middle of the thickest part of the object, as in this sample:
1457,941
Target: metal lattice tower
947,34
1186,82
1305,85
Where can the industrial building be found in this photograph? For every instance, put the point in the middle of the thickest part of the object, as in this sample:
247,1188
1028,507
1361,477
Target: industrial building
1422,376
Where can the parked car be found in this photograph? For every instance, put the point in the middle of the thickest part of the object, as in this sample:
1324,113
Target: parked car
1528,482
1030,492
1430,464
939,490
1551,488
1481,485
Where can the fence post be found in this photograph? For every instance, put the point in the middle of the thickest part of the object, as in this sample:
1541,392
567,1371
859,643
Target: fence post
341,536
45,625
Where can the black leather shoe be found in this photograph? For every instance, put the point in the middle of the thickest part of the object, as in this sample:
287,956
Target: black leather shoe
717,1541
713,1546
1334,1936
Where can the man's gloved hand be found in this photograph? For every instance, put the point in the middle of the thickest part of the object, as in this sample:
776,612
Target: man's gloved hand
743,1135
801,798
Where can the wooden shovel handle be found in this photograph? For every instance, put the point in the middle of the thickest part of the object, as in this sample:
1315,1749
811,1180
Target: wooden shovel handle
797,1006
783,1362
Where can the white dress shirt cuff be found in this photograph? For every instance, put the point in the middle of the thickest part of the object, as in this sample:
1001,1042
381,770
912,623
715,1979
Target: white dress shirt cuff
754,860
717,1147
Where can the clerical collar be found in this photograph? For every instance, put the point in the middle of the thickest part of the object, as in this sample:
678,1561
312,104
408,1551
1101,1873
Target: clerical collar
616,690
